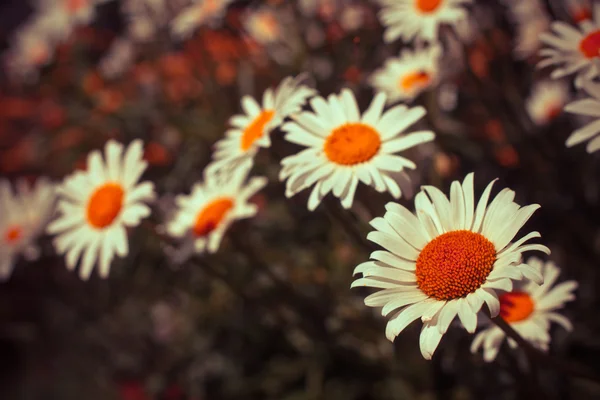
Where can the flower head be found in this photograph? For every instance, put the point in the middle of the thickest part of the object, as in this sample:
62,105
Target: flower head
446,259
546,101
588,107
98,205
529,309
200,12
345,147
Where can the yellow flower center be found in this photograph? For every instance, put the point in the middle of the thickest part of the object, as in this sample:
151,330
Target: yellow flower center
454,264
515,306
256,129
352,144
105,205
590,45
211,216
13,234
414,80
427,6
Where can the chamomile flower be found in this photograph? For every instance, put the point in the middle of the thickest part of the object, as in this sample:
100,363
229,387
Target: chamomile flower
98,205
404,77
446,259
345,148
588,107
572,50
250,131
410,19
213,205
23,217
200,12
546,101
529,309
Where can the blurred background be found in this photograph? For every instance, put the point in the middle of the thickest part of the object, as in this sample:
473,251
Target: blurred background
271,315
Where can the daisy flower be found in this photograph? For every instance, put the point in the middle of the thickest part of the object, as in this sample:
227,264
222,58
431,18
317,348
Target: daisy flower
345,147
98,205
404,77
213,205
198,13
23,217
408,19
250,131
572,50
546,101
587,107
446,259
529,310
264,25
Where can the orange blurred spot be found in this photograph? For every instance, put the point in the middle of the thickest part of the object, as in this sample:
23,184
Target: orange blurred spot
226,73
68,138
109,100
92,83
52,115
507,156
353,74
494,131
580,14
16,108
156,154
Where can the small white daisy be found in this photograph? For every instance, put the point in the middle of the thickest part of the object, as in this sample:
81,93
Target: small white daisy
404,77
419,18
530,310
547,100
573,50
446,259
345,147
200,12
588,107
264,25
98,205
23,217
251,131
205,215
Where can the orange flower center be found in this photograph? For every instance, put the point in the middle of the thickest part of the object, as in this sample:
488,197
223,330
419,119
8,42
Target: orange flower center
352,144
515,306
256,129
13,234
414,81
553,112
105,205
427,6
454,264
211,216
75,5
590,45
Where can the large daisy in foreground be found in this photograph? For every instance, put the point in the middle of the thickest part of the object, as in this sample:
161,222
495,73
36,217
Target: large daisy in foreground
98,205
573,50
23,217
404,77
589,107
345,147
529,310
205,215
421,19
251,131
447,259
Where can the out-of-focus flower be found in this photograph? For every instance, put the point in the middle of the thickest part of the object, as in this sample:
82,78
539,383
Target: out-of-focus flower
98,205
579,10
547,100
410,19
404,77
200,12
447,259
531,20
345,147
23,217
572,50
529,309
119,58
69,12
587,107
205,215
251,131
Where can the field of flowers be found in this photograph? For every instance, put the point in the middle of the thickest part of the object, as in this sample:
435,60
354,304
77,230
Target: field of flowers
299,200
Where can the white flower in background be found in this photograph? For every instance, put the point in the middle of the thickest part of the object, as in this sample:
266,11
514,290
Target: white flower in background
265,25
529,310
531,20
448,258
547,100
213,205
200,12
118,58
69,12
98,205
23,217
588,107
251,131
345,147
406,76
410,19
572,50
